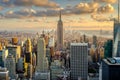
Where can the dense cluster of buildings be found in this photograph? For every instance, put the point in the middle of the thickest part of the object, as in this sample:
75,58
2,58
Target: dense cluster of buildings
46,58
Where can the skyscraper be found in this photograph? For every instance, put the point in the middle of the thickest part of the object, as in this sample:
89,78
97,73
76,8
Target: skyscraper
42,62
29,71
28,57
3,56
15,51
42,72
116,42
60,33
28,45
14,40
111,69
95,40
116,37
79,61
11,66
108,48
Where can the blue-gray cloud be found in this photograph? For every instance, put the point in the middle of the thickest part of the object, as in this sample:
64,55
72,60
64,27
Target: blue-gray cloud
106,1
40,3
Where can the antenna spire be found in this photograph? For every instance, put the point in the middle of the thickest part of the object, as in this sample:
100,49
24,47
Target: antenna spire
60,14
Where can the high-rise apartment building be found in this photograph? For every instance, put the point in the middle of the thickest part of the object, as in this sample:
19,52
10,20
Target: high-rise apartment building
79,61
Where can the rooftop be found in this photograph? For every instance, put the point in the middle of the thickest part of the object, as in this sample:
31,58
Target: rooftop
112,61
79,44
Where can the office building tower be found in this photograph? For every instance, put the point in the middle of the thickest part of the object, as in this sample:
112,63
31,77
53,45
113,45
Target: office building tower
20,65
42,62
92,52
52,52
28,57
116,37
60,39
111,69
108,48
28,46
46,38
84,38
4,74
11,66
29,71
14,41
15,51
51,42
79,61
56,69
42,72
0,46
116,42
95,40
101,52
3,56
34,60
48,55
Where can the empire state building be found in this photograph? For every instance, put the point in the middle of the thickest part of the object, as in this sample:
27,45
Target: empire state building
60,33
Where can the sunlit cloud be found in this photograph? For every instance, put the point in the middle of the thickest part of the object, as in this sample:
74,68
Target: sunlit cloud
39,3
106,1
106,9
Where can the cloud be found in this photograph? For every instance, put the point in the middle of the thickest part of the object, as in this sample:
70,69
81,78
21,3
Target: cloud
85,8
40,3
100,17
106,9
106,1
81,8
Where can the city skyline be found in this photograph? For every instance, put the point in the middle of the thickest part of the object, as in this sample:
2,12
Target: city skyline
27,14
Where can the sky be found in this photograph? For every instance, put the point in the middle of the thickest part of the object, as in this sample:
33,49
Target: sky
76,14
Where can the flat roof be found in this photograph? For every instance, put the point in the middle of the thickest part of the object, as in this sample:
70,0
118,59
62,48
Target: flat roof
112,61
79,44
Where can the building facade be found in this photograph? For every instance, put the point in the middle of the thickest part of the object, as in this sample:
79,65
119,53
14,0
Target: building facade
60,41
42,62
79,61
116,40
11,66
111,69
